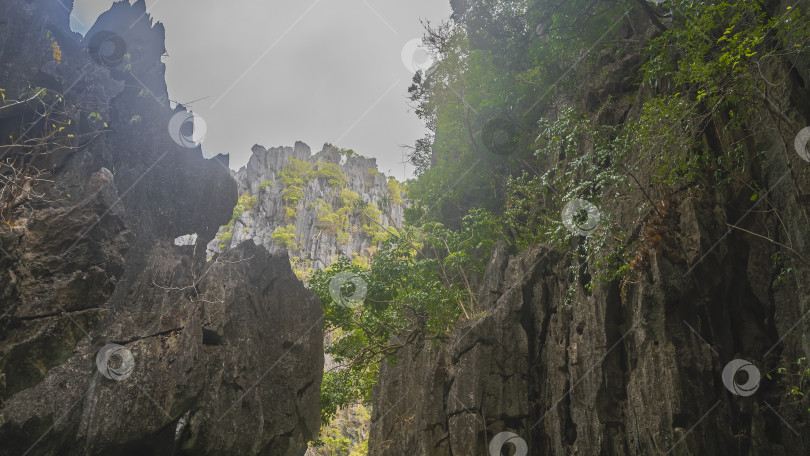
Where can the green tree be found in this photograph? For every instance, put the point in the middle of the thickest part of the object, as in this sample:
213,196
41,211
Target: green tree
416,286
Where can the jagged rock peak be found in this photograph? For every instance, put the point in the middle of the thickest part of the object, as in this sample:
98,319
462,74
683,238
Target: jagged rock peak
127,37
92,266
318,207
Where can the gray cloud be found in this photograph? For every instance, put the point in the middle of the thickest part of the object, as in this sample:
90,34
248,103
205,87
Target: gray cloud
327,66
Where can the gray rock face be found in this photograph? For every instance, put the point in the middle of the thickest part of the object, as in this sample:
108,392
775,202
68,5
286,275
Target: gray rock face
631,368
216,344
634,366
227,354
316,247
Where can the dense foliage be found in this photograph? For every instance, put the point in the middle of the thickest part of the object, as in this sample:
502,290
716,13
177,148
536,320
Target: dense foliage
517,128
418,284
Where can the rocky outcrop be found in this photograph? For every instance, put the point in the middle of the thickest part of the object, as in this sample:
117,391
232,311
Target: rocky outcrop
328,222
315,246
643,365
114,339
628,369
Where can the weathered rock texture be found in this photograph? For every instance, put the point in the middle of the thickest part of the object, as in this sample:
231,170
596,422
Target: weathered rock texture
228,353
605,374
316,247
632,367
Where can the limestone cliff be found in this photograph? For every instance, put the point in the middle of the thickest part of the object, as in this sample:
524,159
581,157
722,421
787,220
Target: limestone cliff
316,207
643,365
113,339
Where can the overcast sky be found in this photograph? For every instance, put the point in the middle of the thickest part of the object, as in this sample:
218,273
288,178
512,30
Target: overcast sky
278,71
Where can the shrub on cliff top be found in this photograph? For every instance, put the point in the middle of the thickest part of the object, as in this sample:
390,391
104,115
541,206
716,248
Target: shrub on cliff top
332,173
